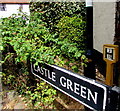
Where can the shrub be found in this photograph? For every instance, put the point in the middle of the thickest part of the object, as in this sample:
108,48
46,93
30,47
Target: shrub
54,11
26,38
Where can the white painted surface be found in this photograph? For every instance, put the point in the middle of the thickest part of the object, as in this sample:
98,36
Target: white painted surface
13,8
103,24
89,3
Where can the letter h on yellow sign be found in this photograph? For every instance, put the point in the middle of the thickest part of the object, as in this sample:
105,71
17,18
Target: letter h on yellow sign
110,55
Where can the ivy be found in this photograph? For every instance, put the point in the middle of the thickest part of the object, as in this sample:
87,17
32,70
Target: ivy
42,96
54,11
71,36
53,34
34,40
28,40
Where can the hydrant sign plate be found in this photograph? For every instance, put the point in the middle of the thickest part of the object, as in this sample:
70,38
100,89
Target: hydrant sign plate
110,53
87,91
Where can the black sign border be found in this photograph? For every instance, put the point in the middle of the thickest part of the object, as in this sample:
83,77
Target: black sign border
91,81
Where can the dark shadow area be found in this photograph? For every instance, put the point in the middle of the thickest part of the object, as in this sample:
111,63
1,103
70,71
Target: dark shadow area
99,62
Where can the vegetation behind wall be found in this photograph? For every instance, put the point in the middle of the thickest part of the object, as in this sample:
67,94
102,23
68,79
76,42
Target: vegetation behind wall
46,39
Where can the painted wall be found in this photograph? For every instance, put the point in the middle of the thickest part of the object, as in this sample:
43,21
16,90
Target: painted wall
13,8
103,24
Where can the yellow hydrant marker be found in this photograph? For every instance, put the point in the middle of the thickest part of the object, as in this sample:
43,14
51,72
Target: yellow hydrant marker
110,55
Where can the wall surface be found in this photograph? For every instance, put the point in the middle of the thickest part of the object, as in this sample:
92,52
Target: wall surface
13,8
103,24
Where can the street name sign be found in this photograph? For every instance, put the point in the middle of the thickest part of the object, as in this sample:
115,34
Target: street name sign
86,91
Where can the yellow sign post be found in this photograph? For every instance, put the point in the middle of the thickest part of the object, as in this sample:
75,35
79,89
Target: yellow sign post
110,55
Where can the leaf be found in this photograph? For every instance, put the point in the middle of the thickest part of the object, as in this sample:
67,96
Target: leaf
1,48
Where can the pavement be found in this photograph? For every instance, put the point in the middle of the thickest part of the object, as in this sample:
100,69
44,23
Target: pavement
9,99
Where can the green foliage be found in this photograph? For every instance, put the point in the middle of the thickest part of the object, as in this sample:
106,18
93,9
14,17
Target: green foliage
53,34
66,20
10,78
54,11
71,36
28,40
72,28
34,41
42,96
14,77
